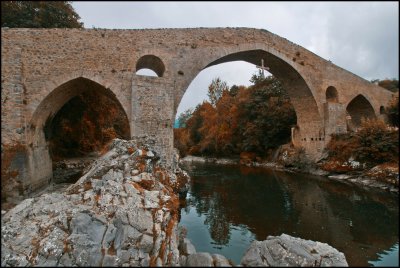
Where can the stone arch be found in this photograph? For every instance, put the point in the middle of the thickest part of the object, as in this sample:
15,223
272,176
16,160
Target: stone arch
52,103
359,107
331,94
151,62
309,117
300,93
39,159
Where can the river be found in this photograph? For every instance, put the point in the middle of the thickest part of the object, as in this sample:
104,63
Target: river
228,207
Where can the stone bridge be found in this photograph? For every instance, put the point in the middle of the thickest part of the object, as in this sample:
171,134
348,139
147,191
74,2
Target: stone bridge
44,68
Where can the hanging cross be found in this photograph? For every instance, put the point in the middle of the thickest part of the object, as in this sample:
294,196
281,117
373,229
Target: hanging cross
262,67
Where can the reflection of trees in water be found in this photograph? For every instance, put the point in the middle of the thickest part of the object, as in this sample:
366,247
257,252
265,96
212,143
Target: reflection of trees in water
239,200
217,221
357,222
209,203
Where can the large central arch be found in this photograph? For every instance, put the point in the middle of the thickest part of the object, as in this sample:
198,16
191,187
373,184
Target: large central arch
39,158
298,90
309,131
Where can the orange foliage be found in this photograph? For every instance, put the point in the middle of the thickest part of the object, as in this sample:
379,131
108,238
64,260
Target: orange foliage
373,143
85,124
240,119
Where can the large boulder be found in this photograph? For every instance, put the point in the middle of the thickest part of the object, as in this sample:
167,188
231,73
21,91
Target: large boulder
285,250
122,212
201,259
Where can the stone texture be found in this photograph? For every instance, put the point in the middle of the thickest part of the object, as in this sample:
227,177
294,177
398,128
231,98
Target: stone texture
187,247
151,199
285,250
220,261
38,78
201,259
83,227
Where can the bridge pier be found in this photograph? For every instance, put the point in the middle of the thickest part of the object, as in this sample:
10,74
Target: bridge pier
40,168
153,113
311,137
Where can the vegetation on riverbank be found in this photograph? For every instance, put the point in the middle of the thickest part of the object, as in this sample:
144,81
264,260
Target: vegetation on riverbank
253,124
372,150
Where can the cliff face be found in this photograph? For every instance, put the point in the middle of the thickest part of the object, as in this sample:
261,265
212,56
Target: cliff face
123,211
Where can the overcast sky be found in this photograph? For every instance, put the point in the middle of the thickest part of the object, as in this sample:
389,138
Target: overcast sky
362,37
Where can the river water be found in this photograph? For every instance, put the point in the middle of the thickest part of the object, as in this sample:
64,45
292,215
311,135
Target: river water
228,207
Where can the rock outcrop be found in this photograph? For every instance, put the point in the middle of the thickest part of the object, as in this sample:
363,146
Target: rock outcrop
122,212
285,250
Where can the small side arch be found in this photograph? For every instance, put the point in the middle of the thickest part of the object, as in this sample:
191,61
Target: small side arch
359,108
331,94
151,62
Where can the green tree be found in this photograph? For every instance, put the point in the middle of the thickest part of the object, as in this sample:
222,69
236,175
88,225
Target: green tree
266,116
234,90
215,90
39,14
257,77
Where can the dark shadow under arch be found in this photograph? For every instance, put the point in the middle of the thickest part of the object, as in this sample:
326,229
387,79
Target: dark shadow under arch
67,97
359,108
331,94
41,126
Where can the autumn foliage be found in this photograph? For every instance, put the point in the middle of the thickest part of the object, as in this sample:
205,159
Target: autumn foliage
373,143
241,119
85,124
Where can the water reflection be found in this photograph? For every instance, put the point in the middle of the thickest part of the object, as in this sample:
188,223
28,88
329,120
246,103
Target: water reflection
242,204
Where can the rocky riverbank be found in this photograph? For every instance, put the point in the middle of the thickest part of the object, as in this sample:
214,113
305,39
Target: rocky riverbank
384,177
124,211
283,250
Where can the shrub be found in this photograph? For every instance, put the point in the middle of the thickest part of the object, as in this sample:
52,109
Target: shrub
373,143
378,143
342,146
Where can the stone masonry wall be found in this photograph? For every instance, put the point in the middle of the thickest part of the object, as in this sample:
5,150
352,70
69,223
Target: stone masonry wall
41,70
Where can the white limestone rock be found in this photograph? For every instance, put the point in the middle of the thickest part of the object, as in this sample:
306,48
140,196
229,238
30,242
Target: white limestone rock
285,250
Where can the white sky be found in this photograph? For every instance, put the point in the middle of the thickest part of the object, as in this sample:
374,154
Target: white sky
362,37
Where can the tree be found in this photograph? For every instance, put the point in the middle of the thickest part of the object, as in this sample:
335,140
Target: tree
393,111
39,14
234,90
215,90
265,115
184,117
257,77
389,84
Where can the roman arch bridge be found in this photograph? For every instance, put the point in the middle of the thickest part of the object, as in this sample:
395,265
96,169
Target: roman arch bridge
44,68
